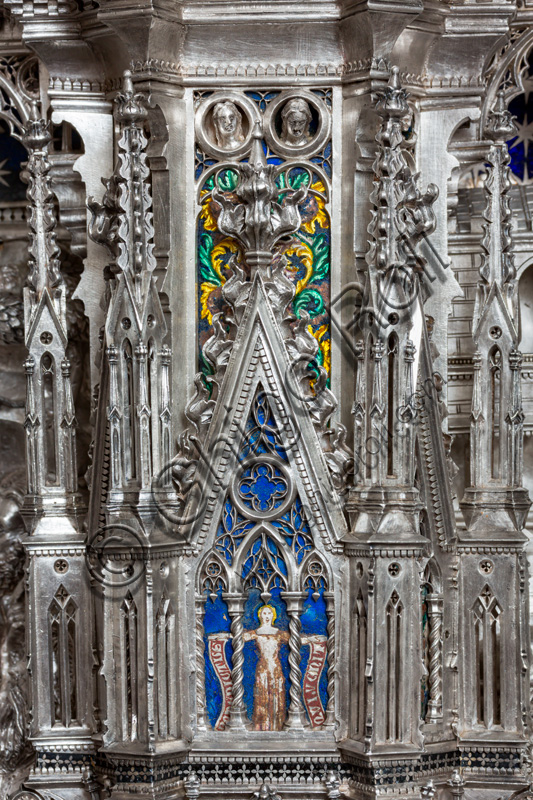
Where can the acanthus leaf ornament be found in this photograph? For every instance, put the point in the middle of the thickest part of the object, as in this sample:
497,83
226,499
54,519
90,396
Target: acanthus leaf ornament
259,221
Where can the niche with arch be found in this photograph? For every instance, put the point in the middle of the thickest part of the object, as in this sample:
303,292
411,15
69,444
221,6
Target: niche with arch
265,615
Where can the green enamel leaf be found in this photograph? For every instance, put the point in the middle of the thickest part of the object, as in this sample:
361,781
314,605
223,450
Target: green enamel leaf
309,300
320,247
205,246
298,179
228,180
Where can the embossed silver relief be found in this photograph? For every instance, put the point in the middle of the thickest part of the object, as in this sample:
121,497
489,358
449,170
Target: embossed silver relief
295,121
423,651
224,124
227,122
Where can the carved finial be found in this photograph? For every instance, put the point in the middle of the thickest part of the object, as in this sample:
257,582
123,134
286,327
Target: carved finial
393,101
130,106
44,263
192,787
34,111
457,785
127,83
332,784
259,221
410,216
266,792
500,123
123,221
36,133
497,261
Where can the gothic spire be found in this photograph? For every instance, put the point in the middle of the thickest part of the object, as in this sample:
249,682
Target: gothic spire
496,505
50,417
392,320
497,271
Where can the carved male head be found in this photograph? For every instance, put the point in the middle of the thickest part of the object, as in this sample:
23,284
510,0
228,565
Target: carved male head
295,120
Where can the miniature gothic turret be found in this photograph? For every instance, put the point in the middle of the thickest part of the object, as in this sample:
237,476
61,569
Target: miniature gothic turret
131,477
59,609
494,639
385,505
495,505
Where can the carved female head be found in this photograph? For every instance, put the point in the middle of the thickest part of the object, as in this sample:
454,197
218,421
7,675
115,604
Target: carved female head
295,120
227,120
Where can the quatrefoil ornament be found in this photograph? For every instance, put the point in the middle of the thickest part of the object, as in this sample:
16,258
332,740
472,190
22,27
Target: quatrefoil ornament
263,488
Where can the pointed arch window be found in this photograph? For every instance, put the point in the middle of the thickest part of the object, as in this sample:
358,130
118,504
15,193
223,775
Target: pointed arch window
392,401
394,622
153,404
368,456
64,658
495,422
129,412
128,668
265,624
264,567
166,668
48,381
487,622
360,653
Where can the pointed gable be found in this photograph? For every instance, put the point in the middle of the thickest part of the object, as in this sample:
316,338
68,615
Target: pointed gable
260,367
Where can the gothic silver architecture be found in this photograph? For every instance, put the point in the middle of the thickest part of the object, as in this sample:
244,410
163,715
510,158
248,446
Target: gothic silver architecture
266,403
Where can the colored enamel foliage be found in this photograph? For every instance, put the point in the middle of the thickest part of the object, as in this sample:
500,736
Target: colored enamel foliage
306,255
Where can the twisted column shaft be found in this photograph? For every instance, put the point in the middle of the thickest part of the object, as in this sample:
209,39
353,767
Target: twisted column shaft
434,603
200,664
330,613
236,713
296,714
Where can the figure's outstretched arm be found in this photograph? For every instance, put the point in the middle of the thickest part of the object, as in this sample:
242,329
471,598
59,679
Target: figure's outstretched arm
313,637
222,635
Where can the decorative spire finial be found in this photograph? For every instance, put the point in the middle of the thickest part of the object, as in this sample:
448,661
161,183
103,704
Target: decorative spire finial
257,155
500,123
123,221
130,106
36,135
393,101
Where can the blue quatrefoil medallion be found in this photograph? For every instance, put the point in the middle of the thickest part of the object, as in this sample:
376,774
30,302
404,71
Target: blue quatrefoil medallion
263,488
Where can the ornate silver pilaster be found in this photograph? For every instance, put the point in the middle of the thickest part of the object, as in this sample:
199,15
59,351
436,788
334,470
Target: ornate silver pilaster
58,599
50,421
496,418
495,505
385,503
